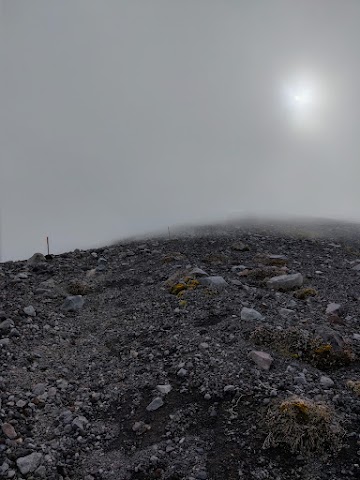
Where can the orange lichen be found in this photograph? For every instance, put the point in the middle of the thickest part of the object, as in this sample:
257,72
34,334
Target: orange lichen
177,288
323,349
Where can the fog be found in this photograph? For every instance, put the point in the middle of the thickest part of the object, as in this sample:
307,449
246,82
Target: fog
120,117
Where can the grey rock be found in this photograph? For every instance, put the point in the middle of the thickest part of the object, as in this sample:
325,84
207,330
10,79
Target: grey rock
155,404
80,422
36,259
333,308
22,276
164,389
286,282
229,388
29,463
251,314
285,312
30,311
202,475
140,427
39,389
5,341
182,372
326,382
238,268
6,325
215,281
4,468
198,272
73,303
102,264
262,359
66,416
41,471
292,304
356,336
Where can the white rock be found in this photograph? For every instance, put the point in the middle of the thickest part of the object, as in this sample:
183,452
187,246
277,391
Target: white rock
286,282
251,314
164,389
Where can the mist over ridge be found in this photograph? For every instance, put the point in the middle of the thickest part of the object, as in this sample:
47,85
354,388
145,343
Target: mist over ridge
122,117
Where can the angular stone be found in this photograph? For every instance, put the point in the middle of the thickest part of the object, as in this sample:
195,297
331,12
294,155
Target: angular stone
262,359
29,463
164,389
73,303
286,282
333,308
251,314
155,404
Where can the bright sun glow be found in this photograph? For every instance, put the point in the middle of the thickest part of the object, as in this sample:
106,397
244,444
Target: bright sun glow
303,97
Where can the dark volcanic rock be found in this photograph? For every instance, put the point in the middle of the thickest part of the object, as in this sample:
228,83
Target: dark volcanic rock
169,369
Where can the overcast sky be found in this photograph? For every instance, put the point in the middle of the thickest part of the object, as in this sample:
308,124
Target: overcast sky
122,116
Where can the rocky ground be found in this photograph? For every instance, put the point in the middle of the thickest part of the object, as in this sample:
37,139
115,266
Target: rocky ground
228,353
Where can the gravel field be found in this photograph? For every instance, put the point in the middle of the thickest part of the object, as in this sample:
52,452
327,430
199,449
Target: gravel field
224,352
